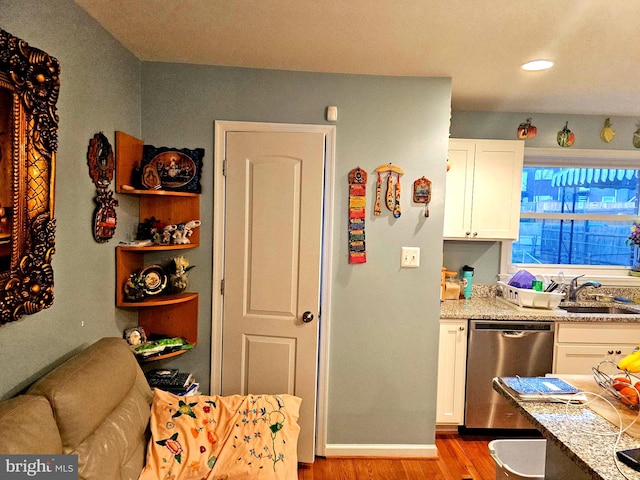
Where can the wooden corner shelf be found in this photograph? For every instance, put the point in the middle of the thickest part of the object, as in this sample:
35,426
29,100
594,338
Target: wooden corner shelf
173,315
155,358
159,193
174,320
159,300
155,248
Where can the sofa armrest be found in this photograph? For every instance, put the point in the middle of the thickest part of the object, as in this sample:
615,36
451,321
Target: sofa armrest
28,427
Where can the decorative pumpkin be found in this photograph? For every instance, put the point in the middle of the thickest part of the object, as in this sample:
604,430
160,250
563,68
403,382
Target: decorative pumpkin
607,133
636,137
566,138
526,130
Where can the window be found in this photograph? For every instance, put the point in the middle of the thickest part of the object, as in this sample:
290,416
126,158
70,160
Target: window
577,208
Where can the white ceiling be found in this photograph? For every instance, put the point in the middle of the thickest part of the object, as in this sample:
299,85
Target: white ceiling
479,44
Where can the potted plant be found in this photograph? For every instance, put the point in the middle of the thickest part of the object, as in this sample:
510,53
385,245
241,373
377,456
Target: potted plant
634,239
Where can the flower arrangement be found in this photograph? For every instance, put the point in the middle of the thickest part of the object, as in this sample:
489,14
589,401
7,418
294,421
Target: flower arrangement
634,240
634,237
178,268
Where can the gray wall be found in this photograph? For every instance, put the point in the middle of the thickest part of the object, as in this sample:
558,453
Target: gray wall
100,91
384,320
485,256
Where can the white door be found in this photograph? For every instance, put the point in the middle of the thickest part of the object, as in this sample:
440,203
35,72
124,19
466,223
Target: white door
273,233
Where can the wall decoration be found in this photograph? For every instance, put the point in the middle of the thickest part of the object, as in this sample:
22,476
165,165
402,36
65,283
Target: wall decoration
377,207
636,137
607,133
104,216
100,160
392,196
101,166
566,137
29,88
357,202
526,130
173,169
422,193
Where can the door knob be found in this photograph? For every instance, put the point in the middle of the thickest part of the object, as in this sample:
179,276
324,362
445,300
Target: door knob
307,317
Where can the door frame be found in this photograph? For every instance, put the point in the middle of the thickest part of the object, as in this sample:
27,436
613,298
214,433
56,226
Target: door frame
221,127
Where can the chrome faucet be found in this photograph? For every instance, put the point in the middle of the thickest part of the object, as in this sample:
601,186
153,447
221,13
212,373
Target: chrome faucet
574,288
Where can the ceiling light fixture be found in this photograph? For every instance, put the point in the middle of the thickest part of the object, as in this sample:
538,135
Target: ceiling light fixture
536,65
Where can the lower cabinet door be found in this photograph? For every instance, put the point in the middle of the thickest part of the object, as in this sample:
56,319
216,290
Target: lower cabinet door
578,359
452,355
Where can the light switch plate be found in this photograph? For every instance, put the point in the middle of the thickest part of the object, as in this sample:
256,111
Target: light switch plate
410,257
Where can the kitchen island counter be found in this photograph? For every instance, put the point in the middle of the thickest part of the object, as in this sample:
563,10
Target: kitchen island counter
496,308
580,437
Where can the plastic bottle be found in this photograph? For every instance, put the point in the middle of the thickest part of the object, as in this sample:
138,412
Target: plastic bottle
467,280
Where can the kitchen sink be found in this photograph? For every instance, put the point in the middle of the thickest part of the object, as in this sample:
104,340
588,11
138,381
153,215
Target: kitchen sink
610,310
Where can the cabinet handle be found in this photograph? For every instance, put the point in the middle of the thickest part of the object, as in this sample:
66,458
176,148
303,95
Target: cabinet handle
610,352
462,329
467,233
475,234
618,352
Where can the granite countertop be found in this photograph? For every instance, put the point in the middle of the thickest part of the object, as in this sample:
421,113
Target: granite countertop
584,436
496,308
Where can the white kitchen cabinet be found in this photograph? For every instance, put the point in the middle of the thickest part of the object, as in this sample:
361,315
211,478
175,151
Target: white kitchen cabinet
452,357
580,346
483,189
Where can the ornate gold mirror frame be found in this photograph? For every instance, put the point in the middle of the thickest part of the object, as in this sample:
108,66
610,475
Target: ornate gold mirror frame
29,85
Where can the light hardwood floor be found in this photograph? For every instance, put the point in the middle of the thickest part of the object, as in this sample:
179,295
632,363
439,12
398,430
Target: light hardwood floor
460,457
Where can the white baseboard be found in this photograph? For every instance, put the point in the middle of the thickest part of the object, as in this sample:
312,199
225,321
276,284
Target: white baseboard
399,451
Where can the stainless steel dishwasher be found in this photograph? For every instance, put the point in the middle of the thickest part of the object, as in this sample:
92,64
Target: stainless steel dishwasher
503,349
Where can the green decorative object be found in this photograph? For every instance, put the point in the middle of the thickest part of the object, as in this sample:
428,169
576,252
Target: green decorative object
566,137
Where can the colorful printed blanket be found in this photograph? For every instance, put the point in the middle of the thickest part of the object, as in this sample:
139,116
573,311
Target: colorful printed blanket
222,438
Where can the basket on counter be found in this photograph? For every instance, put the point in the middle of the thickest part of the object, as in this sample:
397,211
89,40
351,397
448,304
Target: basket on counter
620,379
525,297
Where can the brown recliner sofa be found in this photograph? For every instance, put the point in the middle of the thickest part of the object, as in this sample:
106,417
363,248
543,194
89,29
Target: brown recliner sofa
95,405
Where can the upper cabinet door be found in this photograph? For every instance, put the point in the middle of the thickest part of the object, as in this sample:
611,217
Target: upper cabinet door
459,191
483,201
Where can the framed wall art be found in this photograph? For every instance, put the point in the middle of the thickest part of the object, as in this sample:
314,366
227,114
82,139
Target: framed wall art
164,168
29,88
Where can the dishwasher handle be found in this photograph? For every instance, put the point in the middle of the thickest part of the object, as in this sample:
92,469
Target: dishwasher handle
514,334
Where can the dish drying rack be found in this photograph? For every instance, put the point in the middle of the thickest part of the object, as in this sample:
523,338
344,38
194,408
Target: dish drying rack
525,297
607,382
